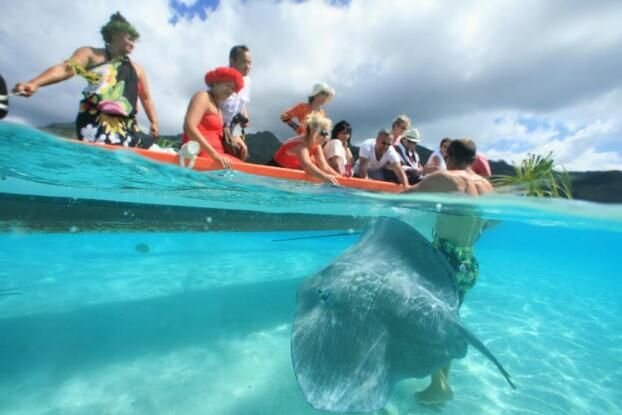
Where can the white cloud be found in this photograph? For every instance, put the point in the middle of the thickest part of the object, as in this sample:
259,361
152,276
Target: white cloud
458,69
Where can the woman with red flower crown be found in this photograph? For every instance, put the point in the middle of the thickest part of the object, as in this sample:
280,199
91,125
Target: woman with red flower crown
203,122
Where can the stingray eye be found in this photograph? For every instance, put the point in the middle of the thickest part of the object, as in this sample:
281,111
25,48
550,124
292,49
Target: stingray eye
324,294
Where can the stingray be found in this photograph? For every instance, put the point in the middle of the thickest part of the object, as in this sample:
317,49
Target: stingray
384,311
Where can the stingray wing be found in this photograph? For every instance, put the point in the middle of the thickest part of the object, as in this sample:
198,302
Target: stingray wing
391,282
339,358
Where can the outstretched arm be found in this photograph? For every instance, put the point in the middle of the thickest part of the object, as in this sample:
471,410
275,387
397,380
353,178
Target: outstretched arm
56,73
363,168
399,172
323,164
302,152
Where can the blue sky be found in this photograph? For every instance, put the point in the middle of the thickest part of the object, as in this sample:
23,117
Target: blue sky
523,77
183,9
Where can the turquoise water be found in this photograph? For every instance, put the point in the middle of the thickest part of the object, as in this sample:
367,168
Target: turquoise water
164,322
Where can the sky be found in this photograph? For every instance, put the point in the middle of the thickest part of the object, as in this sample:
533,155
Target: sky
517,76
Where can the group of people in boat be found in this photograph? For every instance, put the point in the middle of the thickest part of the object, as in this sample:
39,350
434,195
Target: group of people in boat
216,116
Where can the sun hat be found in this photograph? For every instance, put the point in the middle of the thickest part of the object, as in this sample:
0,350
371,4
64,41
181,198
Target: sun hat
225,74
322,87
412,135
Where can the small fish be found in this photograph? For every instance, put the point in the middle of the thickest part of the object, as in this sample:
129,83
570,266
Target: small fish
142,248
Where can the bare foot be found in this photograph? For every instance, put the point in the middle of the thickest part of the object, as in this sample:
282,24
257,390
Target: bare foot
437,393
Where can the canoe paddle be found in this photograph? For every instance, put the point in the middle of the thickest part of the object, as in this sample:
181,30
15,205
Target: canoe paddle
4,98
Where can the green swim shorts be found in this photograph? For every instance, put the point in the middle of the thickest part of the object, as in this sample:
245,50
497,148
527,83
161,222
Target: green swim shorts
462,260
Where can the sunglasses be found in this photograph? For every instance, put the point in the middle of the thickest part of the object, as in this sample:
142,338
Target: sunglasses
324,133
386,143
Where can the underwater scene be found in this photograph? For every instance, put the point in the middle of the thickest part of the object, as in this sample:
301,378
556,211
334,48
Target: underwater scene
132,287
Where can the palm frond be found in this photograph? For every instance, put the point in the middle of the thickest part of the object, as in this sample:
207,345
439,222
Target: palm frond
535,176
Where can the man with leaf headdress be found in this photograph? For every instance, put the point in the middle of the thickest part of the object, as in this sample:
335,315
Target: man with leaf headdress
108,109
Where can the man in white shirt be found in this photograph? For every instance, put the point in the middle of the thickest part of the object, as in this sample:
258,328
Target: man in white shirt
240,59
376,156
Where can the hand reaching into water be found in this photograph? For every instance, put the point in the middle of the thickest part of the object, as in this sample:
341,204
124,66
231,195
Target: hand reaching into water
332,180
224,161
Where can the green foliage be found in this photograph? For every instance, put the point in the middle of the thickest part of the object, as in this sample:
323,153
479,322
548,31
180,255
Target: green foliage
168,142
535,177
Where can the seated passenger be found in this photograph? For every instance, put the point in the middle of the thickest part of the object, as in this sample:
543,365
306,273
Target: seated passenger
320,95
203,122
399,126
304,152
337,150
376,157
407,149
436,161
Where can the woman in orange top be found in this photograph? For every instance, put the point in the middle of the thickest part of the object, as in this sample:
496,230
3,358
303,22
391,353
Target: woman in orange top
304,152
203,122
320,95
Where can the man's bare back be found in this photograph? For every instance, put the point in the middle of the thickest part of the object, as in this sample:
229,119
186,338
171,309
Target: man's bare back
462,230
449,181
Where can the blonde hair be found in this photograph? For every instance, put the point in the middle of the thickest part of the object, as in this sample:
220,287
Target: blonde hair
316,120
402,119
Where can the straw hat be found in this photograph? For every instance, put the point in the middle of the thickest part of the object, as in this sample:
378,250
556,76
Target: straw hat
412,135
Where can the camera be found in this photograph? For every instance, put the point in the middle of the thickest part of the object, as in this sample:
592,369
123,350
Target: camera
239,118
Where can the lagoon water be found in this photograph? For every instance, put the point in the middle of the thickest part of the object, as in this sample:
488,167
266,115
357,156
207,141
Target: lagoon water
103,318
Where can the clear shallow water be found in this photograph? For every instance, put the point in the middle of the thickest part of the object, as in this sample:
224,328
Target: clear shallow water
199,322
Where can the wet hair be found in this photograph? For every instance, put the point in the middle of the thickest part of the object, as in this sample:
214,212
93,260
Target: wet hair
462,151
236,51
402,119
118,24
342,125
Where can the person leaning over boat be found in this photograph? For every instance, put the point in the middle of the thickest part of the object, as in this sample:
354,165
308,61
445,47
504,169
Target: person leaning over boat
436,161
455,236
337,150
304,152
320,95
107,112
203,121
235,108
399,126
376,156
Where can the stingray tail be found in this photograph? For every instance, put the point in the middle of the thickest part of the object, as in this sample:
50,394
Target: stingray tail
475,342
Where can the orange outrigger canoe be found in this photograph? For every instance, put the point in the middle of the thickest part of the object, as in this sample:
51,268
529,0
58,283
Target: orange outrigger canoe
207,164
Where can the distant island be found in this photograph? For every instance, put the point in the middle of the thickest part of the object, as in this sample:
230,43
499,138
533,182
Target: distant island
594,186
